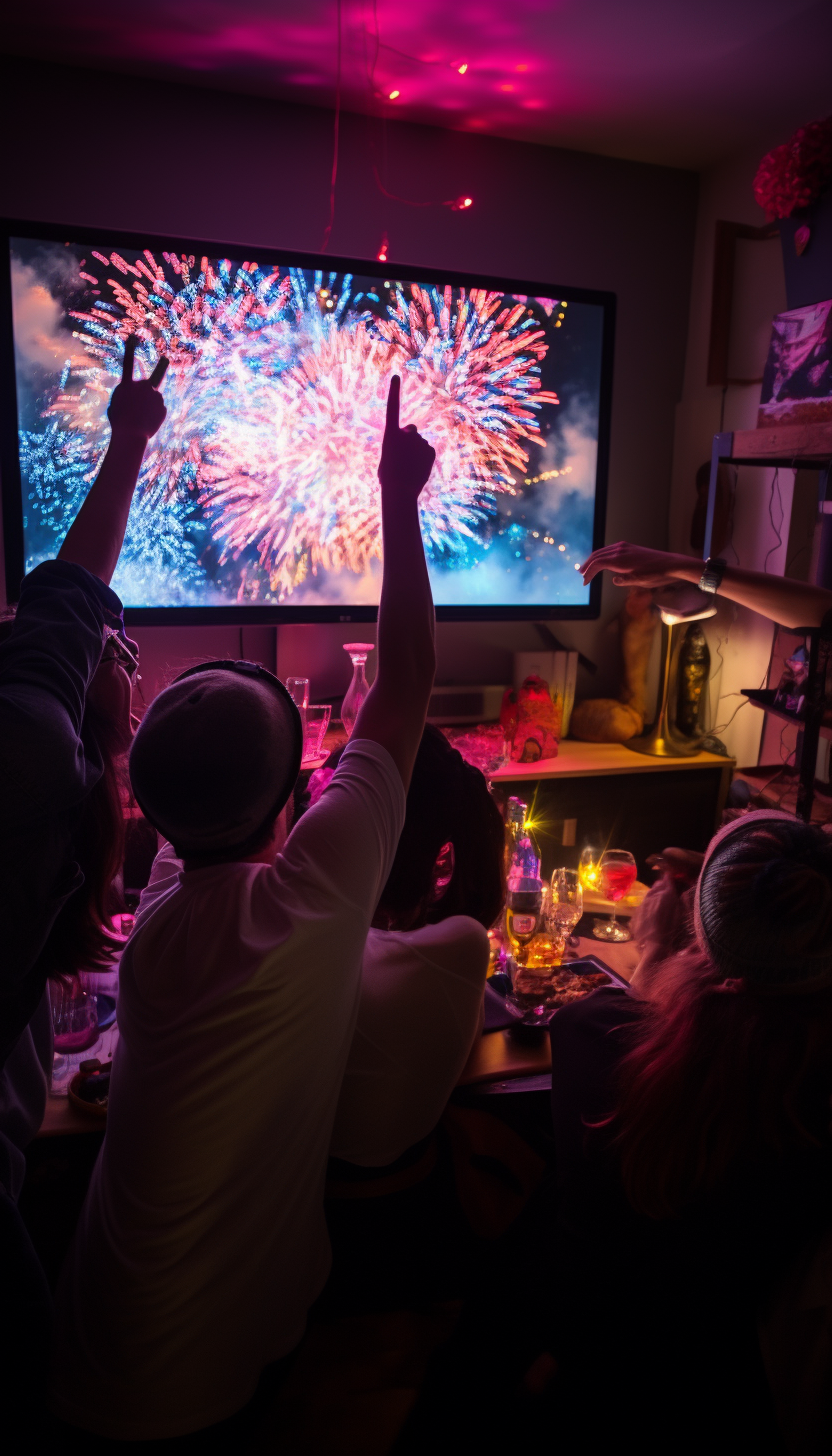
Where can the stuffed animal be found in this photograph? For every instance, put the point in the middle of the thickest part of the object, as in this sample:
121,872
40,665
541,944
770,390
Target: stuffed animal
530,721
615,720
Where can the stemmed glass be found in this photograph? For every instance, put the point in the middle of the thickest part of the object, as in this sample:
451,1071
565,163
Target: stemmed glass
359,687
618,873
566,903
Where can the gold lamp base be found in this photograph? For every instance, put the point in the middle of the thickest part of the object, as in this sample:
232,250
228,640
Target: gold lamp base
663,741
661,744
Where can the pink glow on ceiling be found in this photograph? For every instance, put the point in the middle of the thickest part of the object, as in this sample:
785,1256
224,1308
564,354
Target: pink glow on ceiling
679,83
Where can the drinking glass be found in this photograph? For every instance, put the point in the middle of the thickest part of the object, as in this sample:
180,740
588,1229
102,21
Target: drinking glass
618,873
74,1015
359,687
317,722
566,903
588,868
298,690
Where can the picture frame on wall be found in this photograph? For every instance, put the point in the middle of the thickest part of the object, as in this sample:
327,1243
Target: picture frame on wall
797,379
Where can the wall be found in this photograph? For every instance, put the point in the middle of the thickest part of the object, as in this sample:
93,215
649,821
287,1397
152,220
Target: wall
115,151
739,640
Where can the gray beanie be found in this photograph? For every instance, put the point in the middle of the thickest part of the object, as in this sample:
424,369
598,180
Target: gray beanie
763,907
216,756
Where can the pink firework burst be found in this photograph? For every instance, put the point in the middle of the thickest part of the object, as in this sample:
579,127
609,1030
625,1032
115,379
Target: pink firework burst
293,468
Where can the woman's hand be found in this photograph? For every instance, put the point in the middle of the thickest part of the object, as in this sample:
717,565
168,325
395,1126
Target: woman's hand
638,565
136,407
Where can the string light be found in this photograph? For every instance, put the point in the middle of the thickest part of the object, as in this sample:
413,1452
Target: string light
393,95
381,255
463,68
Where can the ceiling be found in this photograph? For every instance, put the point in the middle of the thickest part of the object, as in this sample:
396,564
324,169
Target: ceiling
681,82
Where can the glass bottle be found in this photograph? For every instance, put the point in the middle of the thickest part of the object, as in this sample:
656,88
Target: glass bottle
516,812
359,687
524,896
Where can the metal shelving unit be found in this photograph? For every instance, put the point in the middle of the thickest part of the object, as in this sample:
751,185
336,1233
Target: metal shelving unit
792,447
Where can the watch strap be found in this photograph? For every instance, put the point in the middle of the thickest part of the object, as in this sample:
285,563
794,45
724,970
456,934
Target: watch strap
711,578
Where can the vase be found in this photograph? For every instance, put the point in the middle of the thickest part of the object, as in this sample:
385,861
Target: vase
359,687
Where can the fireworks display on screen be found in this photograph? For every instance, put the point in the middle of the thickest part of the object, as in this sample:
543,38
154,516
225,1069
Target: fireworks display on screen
261,485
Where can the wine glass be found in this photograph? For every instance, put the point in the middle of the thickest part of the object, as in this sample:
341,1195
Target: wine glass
359,687
566,903
618,873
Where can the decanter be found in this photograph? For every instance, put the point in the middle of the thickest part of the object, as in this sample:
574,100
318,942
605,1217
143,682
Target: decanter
359,687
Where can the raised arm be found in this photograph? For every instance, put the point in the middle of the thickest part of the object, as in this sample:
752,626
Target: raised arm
393,713
135,412
791,603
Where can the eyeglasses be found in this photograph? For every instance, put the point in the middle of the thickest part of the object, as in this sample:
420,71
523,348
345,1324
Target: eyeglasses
119,652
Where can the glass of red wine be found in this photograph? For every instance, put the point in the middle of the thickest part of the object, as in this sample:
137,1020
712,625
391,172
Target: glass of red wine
618,873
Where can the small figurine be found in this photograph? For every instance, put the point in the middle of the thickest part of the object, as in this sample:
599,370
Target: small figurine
791,689
530,721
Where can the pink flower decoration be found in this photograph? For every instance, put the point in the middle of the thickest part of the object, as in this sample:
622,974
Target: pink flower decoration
794,174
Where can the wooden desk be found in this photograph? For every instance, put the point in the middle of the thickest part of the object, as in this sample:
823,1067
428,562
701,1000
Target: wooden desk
497,1054
605,794
502,1055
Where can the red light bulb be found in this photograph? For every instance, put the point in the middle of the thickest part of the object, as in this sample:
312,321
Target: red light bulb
381,255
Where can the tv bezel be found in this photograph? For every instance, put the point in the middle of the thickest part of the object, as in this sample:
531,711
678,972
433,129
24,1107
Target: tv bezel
261,613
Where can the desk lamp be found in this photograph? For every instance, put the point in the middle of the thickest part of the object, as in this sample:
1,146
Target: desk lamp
678,605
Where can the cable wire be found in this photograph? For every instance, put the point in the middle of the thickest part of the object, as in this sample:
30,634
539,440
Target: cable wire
335,133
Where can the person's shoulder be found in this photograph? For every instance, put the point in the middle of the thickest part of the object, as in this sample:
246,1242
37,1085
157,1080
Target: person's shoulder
364,755
368,776
459,945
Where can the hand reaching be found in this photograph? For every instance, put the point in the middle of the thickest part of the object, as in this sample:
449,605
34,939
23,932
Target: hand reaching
632,565
136,406
406,459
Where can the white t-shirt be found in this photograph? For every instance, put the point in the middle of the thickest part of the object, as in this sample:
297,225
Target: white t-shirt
418,1016
202,1240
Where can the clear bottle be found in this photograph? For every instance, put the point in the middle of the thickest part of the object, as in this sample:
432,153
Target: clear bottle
524,896
516,812
359,687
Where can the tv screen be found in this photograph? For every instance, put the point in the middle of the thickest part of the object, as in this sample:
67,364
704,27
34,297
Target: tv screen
258,498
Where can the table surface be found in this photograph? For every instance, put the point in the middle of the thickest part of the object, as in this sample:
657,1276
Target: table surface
591,760
496,1055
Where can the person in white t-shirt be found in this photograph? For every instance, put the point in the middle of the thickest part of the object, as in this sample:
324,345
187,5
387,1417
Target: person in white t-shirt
425,961
202,1241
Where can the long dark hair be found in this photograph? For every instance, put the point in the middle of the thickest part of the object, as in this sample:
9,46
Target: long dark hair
81,938
727,1070
448,802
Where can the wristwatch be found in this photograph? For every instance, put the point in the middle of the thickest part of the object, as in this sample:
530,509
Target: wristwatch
711,578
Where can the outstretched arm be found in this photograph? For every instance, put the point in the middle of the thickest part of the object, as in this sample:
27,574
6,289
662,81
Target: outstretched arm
791,603
393,713
136,411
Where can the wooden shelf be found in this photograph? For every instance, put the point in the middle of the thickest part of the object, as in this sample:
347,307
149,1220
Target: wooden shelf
782,444
590,760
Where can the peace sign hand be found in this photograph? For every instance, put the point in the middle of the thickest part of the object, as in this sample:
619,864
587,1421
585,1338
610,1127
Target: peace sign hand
406,458
136,406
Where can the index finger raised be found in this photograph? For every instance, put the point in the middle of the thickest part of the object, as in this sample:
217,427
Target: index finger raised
159,372
393,398
129,352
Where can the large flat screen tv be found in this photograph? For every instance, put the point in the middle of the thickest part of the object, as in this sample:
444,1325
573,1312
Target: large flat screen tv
258,499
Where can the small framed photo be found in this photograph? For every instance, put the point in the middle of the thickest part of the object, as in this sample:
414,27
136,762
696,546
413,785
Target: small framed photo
797,379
